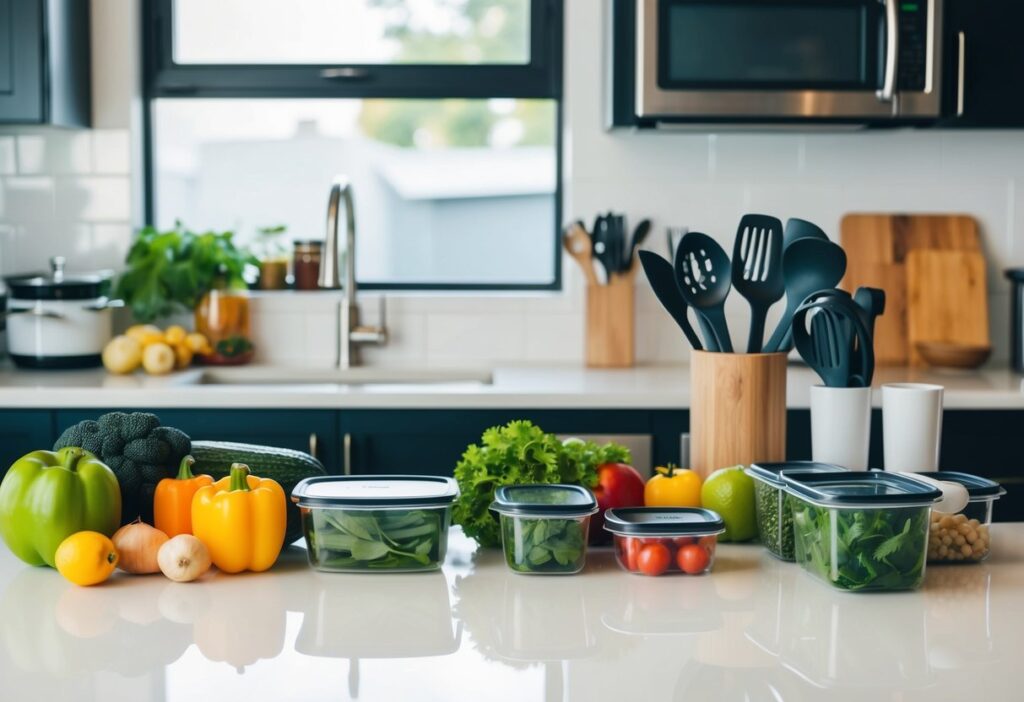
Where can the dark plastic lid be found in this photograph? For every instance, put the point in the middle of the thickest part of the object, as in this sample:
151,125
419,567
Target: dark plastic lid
978,488
58,285
544,500
663,521
375,491
1015,274
860,489
770,472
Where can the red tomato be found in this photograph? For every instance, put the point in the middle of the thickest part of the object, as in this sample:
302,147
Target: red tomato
631,552
618,485
692,559
654,559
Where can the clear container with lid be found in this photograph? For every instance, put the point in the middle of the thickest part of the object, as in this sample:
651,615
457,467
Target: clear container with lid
660,540
376,523
964,537
774,514
861,531
544,527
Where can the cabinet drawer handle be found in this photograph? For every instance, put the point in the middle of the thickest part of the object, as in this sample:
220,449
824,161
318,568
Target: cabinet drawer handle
313,441
346,453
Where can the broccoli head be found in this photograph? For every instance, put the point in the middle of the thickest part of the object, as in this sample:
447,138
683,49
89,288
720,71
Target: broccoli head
139,451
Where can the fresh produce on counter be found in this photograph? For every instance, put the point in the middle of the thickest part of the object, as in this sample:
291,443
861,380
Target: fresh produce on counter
183,558
241,519
954,537
618,485
545,545
47,496
137,545
520,453
172,500
139,451
158,352
286,466
86,558
730,493
672,486
376,539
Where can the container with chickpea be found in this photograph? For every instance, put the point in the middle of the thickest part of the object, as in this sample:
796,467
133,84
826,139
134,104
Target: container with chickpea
964,537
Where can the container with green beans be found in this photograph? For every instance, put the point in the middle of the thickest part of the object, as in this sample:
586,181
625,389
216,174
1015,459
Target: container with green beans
774,511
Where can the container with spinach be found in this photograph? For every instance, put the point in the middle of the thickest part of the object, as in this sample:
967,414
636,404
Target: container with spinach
861,531
774,515
375,523
544,527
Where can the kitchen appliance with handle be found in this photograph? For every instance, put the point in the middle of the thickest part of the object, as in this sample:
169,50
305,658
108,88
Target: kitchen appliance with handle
678,62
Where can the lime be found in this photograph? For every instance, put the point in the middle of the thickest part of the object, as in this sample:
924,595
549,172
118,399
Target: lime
730,492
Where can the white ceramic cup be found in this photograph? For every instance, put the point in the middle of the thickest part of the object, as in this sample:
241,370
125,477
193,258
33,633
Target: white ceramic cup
841,426
911,426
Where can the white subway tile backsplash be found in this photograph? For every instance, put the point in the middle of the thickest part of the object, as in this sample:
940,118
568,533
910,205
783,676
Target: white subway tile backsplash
110,151
26,198
54,152
8,158
94,198
476,337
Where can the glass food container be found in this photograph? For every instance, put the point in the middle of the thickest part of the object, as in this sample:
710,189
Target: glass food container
659,540
861,531
223,317
376,523
963,537
544,527
774,516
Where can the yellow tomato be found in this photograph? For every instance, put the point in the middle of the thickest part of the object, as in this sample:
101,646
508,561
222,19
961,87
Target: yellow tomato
145,334
673,487
183,356
174,335
86,558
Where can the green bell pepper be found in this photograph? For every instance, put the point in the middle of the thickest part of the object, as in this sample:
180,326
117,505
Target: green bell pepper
47,496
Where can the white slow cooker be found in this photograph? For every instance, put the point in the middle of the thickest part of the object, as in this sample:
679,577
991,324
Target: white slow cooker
59,320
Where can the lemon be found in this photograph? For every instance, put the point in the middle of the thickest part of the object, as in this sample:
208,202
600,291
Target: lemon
86,558
730,492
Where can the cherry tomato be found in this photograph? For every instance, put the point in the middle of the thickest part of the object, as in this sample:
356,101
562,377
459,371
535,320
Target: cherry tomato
692,559
708,542
654,559
631,552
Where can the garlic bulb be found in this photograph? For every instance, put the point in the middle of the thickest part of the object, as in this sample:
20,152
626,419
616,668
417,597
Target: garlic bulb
184,558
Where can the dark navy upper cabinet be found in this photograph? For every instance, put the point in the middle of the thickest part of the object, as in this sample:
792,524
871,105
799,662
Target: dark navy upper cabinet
44,62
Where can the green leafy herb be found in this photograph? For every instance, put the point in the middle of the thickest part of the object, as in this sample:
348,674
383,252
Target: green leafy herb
774,519
521,453
544,545
862,549
377,539
170,271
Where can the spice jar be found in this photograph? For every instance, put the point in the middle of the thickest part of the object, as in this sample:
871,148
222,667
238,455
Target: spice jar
306,259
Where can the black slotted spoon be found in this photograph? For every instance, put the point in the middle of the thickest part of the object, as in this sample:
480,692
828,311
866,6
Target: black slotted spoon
703,274
757,270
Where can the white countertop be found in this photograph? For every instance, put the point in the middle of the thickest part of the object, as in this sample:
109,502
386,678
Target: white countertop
753,629
553,387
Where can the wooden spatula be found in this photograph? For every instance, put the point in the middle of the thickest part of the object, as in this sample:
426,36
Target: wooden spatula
579,245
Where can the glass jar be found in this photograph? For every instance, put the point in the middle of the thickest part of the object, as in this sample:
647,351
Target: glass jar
964,537
306,264
223,317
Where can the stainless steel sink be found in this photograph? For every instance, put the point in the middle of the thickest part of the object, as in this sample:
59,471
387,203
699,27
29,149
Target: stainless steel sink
362,375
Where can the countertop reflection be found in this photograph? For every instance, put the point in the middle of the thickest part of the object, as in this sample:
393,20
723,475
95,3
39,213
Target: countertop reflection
754,629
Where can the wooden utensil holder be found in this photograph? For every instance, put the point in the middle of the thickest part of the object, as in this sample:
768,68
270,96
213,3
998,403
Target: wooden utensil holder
737,409
611,323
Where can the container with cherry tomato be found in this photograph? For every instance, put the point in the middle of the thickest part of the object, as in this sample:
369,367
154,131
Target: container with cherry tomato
660,540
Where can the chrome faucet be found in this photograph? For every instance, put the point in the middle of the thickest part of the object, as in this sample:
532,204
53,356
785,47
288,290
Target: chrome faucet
350,332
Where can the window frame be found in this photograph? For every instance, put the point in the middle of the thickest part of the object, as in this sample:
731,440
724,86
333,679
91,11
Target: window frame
541,78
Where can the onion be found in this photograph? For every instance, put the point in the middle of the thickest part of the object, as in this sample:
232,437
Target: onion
184,558
137,544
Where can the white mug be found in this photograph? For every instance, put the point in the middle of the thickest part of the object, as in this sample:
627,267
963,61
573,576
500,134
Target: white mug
911,426
841,426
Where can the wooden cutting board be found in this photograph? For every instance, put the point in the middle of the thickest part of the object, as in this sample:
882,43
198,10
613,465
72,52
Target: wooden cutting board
876,248
947,299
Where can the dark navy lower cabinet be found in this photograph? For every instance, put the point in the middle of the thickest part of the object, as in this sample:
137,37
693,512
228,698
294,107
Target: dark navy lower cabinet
22,431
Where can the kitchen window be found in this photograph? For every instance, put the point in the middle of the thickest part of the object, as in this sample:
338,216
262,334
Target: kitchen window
444,114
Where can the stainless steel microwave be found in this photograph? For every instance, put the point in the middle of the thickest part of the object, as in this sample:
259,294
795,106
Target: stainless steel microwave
765,61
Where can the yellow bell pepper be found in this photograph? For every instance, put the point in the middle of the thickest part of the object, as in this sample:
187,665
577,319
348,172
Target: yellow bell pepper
241,519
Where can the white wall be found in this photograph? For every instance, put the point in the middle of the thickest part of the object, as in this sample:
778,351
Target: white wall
66,201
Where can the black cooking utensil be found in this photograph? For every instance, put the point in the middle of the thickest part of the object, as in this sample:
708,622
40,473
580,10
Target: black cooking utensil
619,237
663,282
604,246
757,270
872,302
801,229
639,235
837,343
808,265
703,276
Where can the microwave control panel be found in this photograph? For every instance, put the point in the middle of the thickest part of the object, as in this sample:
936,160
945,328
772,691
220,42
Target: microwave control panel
913,64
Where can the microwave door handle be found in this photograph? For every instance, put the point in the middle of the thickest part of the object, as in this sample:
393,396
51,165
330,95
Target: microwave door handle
961,70
892,51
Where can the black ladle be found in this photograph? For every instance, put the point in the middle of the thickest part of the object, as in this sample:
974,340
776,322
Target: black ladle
757,270
663,281
808,265
703,274
801,229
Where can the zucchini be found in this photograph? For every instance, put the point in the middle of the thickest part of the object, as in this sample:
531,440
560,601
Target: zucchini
286,466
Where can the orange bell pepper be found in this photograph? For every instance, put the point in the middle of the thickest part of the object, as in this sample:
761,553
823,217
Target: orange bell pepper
172,501
241,519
